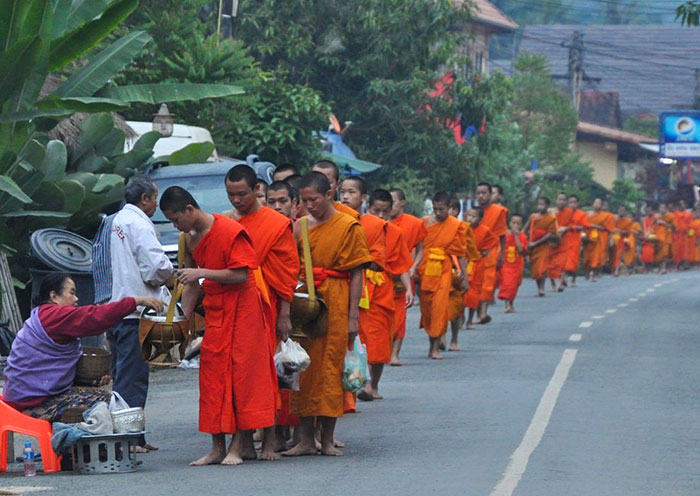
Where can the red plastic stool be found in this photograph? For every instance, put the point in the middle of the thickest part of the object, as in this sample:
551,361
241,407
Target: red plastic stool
12,420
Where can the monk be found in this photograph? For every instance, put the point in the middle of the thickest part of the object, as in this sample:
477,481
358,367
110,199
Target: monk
274,244
620,238
629,253
514,264
446,237
283,171
665,222
651,237
559,251
679,235
329,169
689,242
377,315
694,233
283,199
339,253
457,296
236,385
543,230
595,252
485,242
573,238
495,218
294,181
398,265
414,232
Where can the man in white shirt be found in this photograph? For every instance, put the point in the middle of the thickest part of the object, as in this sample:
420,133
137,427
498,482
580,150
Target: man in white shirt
138,266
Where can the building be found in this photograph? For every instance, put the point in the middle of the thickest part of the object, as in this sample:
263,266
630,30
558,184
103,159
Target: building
487,19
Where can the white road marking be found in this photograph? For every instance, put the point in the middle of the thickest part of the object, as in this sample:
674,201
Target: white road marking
521,456
598,317
675,280
633,299
658,285
585,324
650,290
19,490
575,338
622,305
611,310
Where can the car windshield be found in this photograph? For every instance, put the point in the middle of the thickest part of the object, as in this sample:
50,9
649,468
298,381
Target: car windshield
209,192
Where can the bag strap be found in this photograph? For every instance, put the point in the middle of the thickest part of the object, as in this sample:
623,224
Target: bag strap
177,288
308,266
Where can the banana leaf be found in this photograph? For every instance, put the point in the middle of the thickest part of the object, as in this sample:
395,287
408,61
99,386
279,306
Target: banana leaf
168,92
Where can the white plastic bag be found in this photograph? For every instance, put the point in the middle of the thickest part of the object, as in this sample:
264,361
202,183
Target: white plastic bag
355,373
291,359
117,403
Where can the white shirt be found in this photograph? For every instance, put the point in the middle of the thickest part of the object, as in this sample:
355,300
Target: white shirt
139,264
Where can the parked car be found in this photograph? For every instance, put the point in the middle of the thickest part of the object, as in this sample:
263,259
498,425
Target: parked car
206,183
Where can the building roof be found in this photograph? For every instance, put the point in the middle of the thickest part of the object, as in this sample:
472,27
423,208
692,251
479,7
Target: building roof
600,107
650,66
487,13
612,134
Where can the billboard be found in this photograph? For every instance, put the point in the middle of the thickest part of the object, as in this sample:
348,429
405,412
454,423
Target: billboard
679,134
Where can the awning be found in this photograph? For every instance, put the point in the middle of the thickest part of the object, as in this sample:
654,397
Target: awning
352,163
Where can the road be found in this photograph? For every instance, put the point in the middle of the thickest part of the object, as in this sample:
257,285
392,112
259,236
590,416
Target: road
526,409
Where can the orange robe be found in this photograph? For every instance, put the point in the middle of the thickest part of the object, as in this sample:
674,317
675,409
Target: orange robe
274,243
376,321
398,262
485,242
629,252
413,231
649,248
595,254
236,389
444,239
340,245
694,236
620,240
540,226
340,207
678,237
572,239
457,296
666,243
513,265
558,252
496,219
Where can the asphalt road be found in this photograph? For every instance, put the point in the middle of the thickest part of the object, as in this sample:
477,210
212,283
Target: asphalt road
525,409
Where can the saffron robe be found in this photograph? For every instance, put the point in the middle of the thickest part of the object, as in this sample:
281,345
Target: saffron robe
540,226
444,239
595,253
496,219
274,243
376,321
342,208
457,296
236,386
666,238
629,252
485,242
559,251
398,262
572,238
620,240
338,244
414,232
649,248
513,265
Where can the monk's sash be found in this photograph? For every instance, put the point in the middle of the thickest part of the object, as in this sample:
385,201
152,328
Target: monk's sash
433,269
616,238
594,234
321,274
691,232
376,278
511,254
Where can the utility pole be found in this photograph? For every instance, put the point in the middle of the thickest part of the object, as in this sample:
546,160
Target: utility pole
696,92
576,69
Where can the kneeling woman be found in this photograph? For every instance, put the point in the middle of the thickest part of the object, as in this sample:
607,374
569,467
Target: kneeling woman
41,366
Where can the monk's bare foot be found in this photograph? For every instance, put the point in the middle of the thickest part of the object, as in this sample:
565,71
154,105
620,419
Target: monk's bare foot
395,362
436,356
232,459
376,396
338,444
302,449
151,447
211,458
561,288
330,450
470,326
573,284
258,435
139,449
540,293
485,320
268,454
249,455
454,347
443,345
364,395
510,310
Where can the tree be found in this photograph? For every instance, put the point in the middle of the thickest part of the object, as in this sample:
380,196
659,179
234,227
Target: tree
689,13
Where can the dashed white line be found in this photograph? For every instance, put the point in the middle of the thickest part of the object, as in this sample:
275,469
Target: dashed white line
650,290
521,456
622,305
658,285
611,310
642,295
585,324
598,317
633,299
575,338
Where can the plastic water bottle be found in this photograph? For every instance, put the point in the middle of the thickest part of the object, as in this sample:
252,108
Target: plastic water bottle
29,466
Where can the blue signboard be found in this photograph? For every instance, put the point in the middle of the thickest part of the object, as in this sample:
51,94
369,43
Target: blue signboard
679,134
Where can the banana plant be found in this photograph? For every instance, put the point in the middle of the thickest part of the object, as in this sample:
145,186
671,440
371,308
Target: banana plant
39,38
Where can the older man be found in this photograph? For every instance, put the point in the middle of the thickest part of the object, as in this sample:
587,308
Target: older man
128,260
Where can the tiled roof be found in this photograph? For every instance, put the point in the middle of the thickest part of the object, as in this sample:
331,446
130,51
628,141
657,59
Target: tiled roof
600,107
613,134
487,13
650,66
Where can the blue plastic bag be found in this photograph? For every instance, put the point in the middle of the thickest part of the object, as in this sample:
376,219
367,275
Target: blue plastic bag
355,373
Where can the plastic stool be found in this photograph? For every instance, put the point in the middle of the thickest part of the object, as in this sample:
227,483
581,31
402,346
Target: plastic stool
12,420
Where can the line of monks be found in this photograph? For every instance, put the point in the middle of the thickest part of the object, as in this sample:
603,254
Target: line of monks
369,257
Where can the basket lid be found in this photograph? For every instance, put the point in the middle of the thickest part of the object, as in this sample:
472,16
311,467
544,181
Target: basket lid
62,250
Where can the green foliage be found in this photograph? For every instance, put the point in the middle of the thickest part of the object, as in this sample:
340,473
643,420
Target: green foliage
688,13
625,192
648,125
